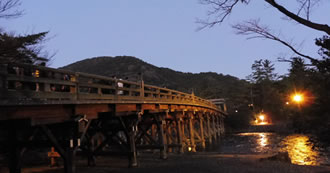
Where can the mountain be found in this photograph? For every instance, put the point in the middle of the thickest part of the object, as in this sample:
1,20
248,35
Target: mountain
207,85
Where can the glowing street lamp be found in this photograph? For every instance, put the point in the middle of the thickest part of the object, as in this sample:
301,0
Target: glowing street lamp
298,98
261,119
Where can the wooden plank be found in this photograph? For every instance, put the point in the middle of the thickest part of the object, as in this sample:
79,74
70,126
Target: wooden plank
182,107
148,107
125,107
162,107
189,108
28,112
174,108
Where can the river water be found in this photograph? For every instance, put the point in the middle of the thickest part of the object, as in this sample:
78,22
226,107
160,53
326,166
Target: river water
302,149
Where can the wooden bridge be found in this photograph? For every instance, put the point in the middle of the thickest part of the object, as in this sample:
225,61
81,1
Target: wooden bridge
90,115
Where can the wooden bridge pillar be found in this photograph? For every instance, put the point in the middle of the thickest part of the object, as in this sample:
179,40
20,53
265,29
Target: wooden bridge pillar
201,128
209,130
161,124
219,126
214,128
216,122
154,131
191,132
169,141
179,132
222,123
130,126
132,156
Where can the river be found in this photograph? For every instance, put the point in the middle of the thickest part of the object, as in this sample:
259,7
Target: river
302,149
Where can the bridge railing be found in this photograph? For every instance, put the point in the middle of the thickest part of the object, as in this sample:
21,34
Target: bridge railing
23,83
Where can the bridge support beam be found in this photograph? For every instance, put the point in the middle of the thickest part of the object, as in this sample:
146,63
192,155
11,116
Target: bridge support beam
201,128
179,133
218,126
132,156
191,132
209,130
214,129
222,125
130,126
161,124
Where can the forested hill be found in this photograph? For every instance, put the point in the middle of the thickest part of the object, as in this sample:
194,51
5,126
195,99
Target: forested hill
207,85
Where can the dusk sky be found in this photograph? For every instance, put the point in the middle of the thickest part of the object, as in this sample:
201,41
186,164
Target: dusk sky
162,33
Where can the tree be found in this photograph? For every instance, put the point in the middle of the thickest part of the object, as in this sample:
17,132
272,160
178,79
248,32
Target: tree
298,72
266,95
20,48
324,44
263,70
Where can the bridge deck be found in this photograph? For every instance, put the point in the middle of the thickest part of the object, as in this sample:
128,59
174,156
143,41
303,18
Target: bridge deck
47,95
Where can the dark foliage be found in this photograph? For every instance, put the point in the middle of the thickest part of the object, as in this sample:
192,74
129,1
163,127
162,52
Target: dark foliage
19,48
22,49
324,44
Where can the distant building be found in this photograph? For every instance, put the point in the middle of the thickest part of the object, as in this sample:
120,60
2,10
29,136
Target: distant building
221,103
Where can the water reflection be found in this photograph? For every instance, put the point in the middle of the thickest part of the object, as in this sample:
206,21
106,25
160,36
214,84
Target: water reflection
263,140
300,150
260,142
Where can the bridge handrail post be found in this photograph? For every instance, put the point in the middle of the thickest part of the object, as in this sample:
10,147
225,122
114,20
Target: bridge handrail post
76,87
193,97
116,89
142,90
158,93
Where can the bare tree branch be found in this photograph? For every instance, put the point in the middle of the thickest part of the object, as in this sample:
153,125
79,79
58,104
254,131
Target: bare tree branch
254,30
220,9
6,9
320,27
291,60
306,6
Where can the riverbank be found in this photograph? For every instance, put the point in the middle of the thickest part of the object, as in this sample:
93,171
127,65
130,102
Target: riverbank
192,163
242,152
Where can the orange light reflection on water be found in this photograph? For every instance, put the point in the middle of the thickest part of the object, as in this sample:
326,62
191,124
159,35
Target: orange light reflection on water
300,150
262,123
262,140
